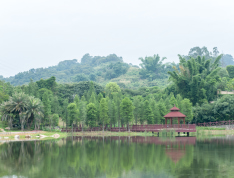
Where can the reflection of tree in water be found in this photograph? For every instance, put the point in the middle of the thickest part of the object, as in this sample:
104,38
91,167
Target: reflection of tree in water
115,158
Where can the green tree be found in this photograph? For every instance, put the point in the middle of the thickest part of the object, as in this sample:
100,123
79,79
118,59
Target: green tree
156,114
197,78
47,107
73,113
152,67
117,97
179,100
55,120
93,98
187,109
230,70
91,115
77,101
83,113
137,110
64,111
162,110
55,106
104,112
34,109
173,101
111,88
127,108
148,113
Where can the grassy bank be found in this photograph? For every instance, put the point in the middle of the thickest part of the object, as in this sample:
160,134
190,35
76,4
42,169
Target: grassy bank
22,135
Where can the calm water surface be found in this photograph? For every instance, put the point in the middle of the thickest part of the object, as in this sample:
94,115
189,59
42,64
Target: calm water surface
126,157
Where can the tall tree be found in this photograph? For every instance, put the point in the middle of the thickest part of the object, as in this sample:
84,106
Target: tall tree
148,113
187,109
117,97
197,79
162,109
152,67
104,112
83,113
73,113
91,115
55,106
136,104
64,111
173,101
112,88
47,107
127,110
230,70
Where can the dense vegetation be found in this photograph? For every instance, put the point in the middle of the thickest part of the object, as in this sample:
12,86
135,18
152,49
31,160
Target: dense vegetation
193,84
92,68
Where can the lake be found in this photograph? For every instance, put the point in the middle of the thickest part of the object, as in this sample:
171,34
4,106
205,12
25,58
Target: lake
124,157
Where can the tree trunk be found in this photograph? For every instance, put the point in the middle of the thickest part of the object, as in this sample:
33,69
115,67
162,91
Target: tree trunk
103,127
22,126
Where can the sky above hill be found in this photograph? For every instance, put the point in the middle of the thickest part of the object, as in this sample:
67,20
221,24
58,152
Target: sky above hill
41,33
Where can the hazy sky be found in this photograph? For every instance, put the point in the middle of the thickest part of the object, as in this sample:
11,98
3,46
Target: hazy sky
41,33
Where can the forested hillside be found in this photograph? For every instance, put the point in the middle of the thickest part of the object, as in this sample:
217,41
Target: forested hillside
101,70
191,85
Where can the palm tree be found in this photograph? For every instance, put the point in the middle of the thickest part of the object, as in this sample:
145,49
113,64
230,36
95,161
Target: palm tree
26,106
34,110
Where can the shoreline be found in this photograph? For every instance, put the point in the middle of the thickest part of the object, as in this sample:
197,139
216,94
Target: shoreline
44,135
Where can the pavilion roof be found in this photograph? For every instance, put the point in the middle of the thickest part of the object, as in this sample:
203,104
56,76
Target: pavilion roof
175,113
174,109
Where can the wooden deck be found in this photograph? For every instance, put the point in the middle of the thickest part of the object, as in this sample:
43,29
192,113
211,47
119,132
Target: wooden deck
168,127
142,128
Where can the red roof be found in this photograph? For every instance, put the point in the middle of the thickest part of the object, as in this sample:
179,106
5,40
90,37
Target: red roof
175,114
174,109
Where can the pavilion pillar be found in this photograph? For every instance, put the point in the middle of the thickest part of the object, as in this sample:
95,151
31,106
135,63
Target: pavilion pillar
178,121
171,121
184,120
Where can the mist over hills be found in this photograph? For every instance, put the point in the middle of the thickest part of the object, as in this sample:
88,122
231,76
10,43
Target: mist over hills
103,69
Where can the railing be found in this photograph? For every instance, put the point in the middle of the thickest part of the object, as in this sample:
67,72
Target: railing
79,129
158,127
140,128
217,123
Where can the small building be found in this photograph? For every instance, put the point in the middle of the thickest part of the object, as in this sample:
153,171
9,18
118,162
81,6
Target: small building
174,114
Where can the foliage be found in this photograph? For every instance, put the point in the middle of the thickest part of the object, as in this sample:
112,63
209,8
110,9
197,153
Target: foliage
197,79
126,108
152,67
91,115
230,69
24,108
104,112
73,113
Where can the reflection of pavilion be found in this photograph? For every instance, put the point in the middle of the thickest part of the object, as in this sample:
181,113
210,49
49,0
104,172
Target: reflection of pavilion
175,154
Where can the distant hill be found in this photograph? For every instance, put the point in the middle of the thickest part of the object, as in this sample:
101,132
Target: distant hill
91,68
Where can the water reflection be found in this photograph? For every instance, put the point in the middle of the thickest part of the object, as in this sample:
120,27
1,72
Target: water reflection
119,157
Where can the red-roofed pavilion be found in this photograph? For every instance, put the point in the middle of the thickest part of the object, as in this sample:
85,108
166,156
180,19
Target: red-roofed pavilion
174,114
